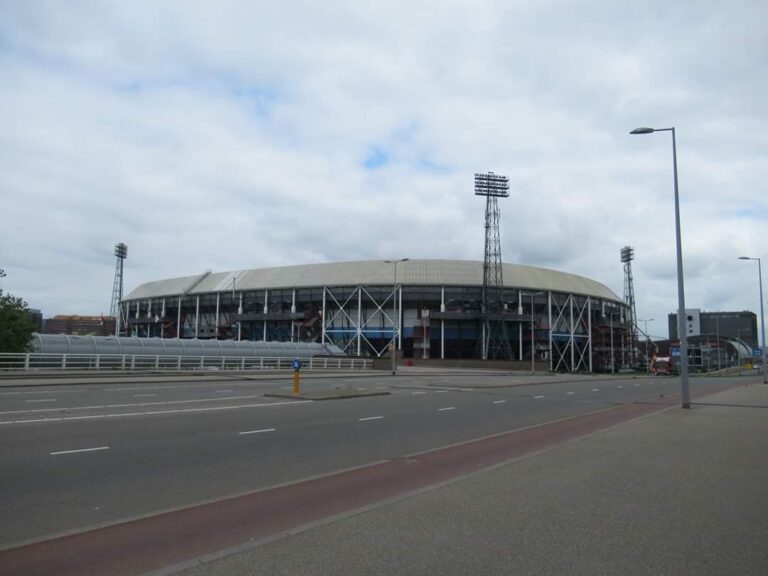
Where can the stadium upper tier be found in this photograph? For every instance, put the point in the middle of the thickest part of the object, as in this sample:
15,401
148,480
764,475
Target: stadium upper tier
371,273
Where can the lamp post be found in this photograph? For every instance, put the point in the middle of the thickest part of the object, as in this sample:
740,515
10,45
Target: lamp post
395,316
762,315
647,343
533,334
686,397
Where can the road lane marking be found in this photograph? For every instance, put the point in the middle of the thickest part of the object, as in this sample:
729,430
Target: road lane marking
257,431
136,404
143,395
466,389
43,400
595,389
619,386
537,397
570,393
637,383
156,412
448,408
223,391
499,401
440,391
417,393
370,418
80,450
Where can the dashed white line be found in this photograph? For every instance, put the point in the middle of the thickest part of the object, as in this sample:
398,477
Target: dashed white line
466,389
256,431
570,393
135,404
595,389
537,397
224,391
637,383
80,450
445,409
440,391
43,400
619,386
499,401
417,393
156,412
370,418
143,395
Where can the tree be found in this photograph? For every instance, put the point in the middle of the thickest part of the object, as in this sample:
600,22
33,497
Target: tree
16,326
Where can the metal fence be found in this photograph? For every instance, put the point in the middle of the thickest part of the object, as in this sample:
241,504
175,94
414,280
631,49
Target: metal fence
44,361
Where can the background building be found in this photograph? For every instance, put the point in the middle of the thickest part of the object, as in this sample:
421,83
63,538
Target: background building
80,325
739,325
578,323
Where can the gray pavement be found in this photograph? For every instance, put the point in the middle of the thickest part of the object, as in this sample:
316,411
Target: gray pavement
678,492
78,456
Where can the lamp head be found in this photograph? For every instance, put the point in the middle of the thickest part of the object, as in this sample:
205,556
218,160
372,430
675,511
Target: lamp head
744,258
643,131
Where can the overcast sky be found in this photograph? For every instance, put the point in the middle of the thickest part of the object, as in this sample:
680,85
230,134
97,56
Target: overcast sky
227,135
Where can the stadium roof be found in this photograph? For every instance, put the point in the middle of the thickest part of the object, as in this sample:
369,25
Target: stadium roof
372,272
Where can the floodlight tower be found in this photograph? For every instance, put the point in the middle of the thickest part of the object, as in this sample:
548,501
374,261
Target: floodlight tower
121,252
627,255
494,342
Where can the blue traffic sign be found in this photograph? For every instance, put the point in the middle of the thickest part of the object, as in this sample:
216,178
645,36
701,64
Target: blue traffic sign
674,351
757,353
296,364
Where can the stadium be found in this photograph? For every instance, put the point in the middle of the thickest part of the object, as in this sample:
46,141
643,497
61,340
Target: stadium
431,308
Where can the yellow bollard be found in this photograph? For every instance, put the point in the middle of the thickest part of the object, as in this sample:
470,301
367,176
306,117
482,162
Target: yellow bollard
296,382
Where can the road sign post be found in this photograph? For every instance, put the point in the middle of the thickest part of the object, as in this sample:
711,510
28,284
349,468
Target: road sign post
296,365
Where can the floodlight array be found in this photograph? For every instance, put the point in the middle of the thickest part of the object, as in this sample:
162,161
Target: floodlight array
121,250
627,254
490,184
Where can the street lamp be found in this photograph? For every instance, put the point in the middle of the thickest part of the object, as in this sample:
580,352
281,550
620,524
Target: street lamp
762,315
647,343
533,335
686,397
395,330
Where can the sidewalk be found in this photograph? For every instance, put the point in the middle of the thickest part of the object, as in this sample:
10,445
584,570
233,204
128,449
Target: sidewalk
677,492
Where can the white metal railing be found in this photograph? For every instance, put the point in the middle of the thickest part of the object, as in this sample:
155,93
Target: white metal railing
45,361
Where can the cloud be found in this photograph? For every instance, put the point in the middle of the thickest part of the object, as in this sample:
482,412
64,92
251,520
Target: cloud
236,134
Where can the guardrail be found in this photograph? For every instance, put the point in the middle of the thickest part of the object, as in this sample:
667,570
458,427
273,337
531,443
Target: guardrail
127,362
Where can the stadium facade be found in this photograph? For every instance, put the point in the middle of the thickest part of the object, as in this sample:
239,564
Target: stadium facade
431,308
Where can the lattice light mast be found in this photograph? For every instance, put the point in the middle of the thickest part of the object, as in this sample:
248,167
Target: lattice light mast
494,341
627,255
121,252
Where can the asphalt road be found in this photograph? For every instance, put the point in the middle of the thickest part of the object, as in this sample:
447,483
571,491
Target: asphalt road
77,456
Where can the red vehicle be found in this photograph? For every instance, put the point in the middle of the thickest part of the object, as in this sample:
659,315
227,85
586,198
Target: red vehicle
661,366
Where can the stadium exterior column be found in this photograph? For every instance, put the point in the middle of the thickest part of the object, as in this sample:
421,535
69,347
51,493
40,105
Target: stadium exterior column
266,307
400,320
442,324
573,338
162,323
240,322
178,320
322,339
589,330
359,317
216,328
197,315
549,312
